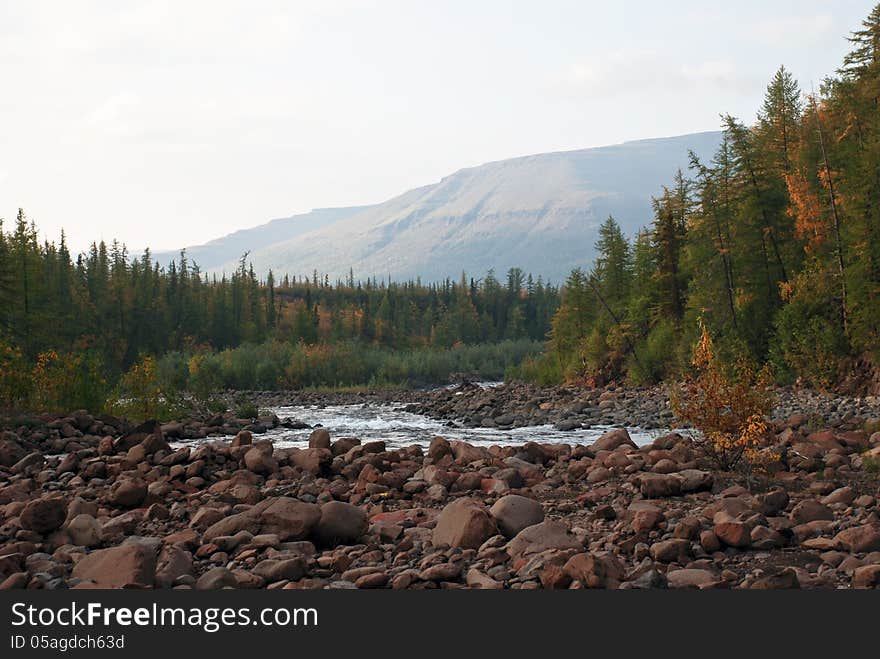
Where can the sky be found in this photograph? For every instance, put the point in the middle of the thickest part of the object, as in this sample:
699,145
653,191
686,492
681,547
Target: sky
171,122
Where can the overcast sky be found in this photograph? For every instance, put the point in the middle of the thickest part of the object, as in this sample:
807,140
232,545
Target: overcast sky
169,123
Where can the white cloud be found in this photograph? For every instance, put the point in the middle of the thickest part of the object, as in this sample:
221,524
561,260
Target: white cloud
794,30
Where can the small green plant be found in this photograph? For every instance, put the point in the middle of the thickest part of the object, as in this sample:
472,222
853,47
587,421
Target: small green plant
246,409
871,464
216,405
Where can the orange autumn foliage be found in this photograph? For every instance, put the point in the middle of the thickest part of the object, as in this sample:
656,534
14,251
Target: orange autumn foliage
730,411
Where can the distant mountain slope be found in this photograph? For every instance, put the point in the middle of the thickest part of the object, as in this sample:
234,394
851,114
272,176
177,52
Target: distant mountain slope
539,213
215,254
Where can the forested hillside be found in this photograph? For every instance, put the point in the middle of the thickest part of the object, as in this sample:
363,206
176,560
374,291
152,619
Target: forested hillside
773,244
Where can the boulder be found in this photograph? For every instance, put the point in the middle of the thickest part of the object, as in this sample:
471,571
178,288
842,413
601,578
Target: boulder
174,562
860,539
656,486
289,519
43,515
133,563
550,534
674,550
128,492
341,523
513,513
320,438
216,579
85,531
691,578
810,510
612,440
464,523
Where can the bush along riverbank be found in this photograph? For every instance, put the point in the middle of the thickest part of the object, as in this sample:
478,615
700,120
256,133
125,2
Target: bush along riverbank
94,502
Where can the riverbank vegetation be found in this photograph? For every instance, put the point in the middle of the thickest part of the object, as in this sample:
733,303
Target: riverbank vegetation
774,245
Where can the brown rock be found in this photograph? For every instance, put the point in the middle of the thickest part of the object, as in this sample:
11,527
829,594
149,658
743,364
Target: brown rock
866,576
860,539
128,492
132,563
733,533
656,486
464,523
513,513
290,519
341,523
810,510
43,515
674,550
550,534
612,440
320,438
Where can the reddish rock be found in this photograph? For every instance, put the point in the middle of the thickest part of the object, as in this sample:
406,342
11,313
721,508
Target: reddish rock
733,533
810,510
656,486
550,534
341,523
43,515
860,539
464,523
132,563
612,440
513,513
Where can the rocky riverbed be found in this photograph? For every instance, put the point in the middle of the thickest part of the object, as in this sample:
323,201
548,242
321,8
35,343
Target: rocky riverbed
95,502
517,404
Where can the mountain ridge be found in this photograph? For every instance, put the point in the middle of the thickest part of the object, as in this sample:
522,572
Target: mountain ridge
539,212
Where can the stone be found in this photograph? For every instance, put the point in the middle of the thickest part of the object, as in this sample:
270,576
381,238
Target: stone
860,539
243,438
313,460
549,534
341,523
289,519
477,579
441,572
216,579
132,563
260,461
439,448
10,452
173,563
842,495
464,523
85,531
513,513
646,520
656,486
772,502
289,569
128,492
43,515
320,438
866,576
786,579
695,480
612,440
810,510
674,550
589,570
690,578
733,533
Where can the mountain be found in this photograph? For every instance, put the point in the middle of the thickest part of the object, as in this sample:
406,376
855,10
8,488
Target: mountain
539,213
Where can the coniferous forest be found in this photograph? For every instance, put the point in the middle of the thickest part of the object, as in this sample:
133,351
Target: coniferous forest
773,247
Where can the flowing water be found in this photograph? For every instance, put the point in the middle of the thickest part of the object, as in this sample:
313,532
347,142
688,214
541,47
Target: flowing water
396,427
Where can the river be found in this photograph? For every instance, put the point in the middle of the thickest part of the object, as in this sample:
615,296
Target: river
396,427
